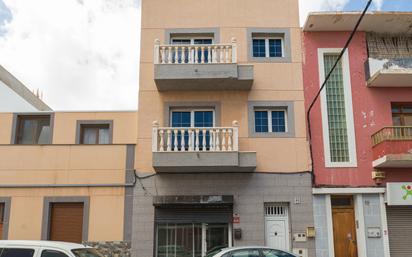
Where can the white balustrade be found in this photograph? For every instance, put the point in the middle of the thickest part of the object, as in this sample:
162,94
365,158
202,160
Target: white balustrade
213,139
195,54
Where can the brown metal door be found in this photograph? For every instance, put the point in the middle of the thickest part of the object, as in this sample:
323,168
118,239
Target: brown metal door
66,222
344,230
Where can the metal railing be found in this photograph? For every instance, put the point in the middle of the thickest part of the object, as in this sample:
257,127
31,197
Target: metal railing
396,133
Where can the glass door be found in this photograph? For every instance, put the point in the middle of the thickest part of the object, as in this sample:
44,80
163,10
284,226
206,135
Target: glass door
191,240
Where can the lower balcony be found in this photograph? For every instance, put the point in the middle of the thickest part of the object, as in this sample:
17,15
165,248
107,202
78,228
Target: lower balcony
212,149
392,148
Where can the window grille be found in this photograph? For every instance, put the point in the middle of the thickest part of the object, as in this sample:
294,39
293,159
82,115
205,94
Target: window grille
276,210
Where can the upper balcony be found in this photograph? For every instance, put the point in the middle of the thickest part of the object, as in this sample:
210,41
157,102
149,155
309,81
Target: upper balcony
389,61
211,149
389,72
392,147
200,67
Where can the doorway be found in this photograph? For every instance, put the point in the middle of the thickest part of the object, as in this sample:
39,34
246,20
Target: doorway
277,226
344,227
192,240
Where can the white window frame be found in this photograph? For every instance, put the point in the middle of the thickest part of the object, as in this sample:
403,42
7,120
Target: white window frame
348,107
269,111
267,52
192,39
192,114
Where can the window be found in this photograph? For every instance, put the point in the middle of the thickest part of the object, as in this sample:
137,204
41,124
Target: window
17,252
275,253
402,114
246,253
337,114
33,129
95,134
270,121
191,41
267,47
52,253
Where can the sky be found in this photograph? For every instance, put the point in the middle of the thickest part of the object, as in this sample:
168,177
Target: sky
84,54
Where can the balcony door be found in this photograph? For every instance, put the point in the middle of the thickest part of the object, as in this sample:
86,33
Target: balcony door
192,41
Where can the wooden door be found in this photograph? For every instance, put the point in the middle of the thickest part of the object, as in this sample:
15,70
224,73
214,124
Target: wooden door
344,229
66,222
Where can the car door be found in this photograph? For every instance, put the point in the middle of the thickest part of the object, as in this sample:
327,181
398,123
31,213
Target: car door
52,252
19,251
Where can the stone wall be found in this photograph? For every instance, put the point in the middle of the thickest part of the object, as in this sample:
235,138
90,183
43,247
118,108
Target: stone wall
112,248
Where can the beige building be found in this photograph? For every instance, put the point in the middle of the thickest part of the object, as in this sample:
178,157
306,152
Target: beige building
221,152
67,176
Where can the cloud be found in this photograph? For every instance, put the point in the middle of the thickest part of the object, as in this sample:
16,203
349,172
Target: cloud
83,54
378,4
307,6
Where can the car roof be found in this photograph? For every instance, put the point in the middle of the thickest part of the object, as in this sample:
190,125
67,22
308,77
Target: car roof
38,243
225,250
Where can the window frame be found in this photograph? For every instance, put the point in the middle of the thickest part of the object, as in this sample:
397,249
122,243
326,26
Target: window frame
191,38
269,33
287,107
17,126
350,126
400,114
192,114
267,47
270,125
81,123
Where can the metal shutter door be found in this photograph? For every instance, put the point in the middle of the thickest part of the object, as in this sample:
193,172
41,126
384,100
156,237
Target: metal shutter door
211,214
66,222
400,230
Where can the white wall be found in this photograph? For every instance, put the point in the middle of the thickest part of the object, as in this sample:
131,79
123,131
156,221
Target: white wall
10,101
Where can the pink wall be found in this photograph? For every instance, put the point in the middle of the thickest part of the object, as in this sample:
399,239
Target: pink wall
371,109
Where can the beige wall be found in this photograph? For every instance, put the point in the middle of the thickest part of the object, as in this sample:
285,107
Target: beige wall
65,163
272,81
26,211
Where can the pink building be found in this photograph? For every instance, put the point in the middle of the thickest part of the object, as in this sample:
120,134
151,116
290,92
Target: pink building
361,133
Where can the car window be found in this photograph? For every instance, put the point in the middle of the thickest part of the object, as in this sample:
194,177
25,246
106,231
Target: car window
17,252
275,253
52,253
245,253
86,252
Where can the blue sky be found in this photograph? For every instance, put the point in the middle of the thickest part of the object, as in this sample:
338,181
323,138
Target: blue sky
69,48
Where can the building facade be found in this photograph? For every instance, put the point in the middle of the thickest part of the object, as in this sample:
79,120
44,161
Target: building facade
68,176
360,133
221,154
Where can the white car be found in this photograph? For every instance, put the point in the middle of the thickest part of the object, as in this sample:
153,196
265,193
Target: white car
252,251
26,248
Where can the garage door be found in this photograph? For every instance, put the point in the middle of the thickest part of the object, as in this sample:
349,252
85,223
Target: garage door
400,230
66,222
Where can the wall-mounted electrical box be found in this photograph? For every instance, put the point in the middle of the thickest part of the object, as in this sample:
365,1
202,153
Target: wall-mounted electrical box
299,237
374,232
310,232
301,252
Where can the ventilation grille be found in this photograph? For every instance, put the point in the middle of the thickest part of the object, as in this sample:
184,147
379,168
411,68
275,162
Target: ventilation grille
276,210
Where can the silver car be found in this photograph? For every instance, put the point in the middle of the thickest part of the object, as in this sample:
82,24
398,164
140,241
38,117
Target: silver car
253,251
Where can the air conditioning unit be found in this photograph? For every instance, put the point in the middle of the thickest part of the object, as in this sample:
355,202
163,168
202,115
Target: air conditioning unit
378,175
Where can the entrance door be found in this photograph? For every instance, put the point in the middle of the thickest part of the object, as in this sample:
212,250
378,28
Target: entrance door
1,220
66,222
277,227
217,237
344,230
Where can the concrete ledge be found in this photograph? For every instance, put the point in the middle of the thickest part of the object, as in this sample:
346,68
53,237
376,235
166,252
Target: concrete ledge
170,77
177,162
393,161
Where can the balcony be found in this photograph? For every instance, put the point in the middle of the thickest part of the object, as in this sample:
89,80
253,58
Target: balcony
200,67
213,149
392,148
389,72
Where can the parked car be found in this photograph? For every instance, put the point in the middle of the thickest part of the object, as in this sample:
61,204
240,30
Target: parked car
253,251
26,248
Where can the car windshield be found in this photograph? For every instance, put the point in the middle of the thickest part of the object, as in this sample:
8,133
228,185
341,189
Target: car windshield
86,252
